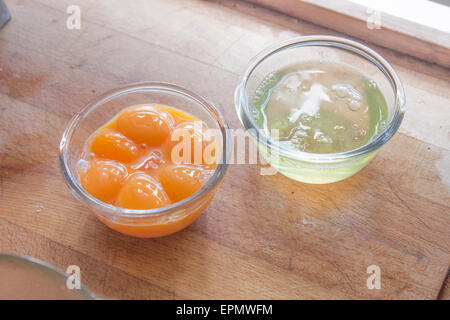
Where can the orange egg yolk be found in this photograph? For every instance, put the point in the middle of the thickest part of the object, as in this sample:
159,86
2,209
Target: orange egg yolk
103,179
188,144
180,182
110,144
141,191
131,163
145,124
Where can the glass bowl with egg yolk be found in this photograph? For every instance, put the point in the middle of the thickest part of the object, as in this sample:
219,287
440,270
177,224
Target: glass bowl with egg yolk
118,157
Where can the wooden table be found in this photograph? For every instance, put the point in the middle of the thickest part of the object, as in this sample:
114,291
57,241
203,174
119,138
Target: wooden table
262,236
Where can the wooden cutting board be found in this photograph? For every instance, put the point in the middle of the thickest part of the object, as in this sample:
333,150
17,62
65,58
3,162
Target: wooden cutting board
262,236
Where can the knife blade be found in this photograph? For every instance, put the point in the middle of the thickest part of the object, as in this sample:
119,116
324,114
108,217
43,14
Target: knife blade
5,16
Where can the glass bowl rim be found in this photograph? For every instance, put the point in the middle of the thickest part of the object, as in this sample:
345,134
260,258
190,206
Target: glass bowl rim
32,260
146,86
241,98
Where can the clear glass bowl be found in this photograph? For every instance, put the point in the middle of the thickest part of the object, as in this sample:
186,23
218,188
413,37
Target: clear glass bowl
153,222
26,278
311,167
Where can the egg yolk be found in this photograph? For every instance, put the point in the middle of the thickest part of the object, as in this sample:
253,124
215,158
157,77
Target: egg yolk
110,144
134,160
145,124
103,179
180,182
141,191
187,143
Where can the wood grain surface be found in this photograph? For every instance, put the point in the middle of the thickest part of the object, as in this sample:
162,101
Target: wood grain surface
351,18
262,236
